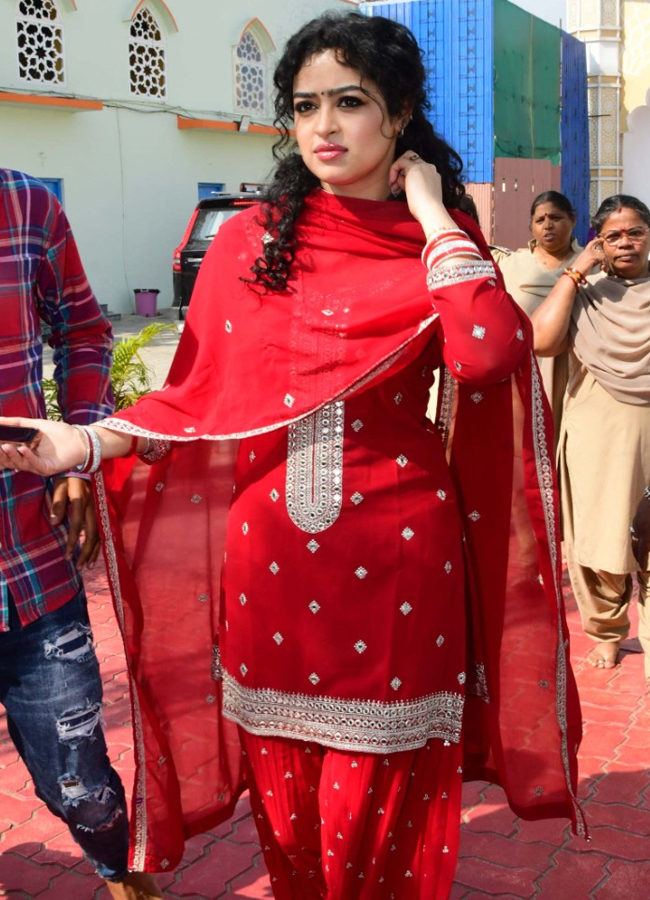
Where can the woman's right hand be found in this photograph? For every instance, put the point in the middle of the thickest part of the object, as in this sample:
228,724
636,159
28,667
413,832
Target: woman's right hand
60,449
590,257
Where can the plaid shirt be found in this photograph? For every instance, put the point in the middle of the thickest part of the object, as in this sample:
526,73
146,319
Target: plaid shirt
41,276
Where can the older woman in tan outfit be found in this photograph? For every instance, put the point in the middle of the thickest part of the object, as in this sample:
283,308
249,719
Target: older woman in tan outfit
604,442
532,272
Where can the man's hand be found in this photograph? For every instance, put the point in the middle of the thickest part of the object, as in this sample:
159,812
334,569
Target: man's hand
74,496
640,533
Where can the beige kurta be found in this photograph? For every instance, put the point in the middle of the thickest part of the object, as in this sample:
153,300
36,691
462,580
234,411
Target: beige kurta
529,283
604,464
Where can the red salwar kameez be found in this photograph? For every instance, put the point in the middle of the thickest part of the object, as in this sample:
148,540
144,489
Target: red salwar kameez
367,603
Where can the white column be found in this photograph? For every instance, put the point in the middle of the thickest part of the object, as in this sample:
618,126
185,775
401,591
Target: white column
598,23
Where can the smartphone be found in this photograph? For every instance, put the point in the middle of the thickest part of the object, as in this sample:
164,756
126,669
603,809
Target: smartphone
11,434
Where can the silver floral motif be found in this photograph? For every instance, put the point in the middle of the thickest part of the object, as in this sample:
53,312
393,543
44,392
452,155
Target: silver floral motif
357,425
441,494
289,400
360,646
274,495
243,599
313,546
315,468
474,515
440,640
196,498
477,396
401,460
216,669
243,669
244,528
479,687
314,606
274,567
396,684
228,326
405,608
478,332
314,678
408,533
361,572
356,498
520,334
462,678
203,598
448,567
399,396
251,456
277,637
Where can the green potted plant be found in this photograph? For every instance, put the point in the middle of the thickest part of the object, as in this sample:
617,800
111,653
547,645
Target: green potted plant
130,375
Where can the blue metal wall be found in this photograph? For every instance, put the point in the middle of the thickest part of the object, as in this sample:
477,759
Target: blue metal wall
575,131
457,39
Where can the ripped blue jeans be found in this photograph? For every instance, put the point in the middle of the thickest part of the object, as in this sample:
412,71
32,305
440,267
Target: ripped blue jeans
52,692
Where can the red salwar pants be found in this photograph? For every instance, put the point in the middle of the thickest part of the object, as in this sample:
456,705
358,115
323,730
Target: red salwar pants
355,826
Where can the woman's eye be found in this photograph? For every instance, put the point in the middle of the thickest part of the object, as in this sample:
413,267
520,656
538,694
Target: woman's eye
303,107
350,102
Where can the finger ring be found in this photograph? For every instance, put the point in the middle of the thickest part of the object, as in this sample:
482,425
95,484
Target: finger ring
413,157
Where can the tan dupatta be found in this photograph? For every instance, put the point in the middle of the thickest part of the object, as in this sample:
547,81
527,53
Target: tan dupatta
610,334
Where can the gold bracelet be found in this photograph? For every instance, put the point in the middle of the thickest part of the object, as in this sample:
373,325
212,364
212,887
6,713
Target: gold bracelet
580,278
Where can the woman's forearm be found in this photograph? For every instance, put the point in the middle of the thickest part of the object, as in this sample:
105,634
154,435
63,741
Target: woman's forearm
552,318
116,443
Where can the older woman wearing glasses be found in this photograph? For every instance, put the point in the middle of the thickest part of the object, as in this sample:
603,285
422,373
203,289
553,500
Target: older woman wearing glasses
604,445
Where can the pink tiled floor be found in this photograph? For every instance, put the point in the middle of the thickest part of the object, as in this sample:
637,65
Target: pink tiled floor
501,856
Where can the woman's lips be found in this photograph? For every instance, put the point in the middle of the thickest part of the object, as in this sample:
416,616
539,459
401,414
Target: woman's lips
329,151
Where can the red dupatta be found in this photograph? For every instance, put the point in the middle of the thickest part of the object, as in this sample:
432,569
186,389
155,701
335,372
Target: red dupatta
249,363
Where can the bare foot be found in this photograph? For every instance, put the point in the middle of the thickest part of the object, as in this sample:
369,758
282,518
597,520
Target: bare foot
603,655
136,886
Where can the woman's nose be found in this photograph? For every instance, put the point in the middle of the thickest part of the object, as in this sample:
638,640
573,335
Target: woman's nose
326,121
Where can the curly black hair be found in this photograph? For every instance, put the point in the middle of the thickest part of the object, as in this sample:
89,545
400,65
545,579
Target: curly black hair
382,51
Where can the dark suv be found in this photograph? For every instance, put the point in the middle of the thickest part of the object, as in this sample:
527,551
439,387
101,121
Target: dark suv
207,219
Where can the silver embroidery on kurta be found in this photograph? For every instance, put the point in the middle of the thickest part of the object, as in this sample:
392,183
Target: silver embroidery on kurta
315,468
348,724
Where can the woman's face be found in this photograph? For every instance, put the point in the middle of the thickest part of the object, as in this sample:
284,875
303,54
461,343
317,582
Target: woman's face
345,135
625,243
552,228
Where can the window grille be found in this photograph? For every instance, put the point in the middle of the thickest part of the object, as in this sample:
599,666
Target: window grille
147,57
39,42
250,76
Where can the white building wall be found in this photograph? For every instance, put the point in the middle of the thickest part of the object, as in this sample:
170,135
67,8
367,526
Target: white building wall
129,174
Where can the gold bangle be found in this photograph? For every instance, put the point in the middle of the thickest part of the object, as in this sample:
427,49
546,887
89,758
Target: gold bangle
580,278
573,278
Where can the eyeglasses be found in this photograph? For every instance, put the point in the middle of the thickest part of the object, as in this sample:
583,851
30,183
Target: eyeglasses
614,238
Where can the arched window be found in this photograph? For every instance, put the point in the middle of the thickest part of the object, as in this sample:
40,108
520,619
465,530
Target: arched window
250,75
147,56
40,42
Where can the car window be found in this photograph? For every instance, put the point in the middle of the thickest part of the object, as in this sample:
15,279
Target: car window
209,221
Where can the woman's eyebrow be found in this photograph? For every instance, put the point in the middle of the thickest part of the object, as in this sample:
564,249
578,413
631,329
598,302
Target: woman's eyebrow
330,93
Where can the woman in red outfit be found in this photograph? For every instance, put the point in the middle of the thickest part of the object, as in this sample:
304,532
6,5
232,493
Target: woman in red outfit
322,592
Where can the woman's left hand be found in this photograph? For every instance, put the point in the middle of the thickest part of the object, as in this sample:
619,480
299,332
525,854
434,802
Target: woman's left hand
640,533
421,183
